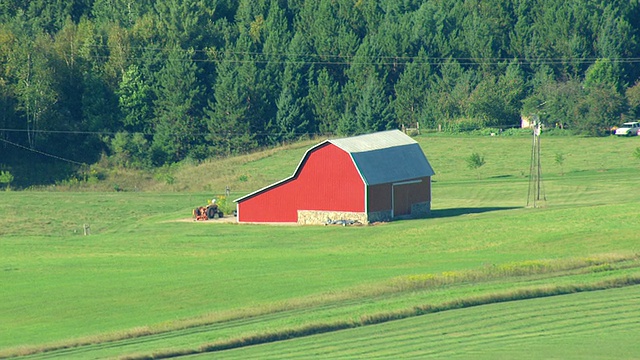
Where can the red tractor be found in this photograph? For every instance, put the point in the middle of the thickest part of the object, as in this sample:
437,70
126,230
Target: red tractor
208,212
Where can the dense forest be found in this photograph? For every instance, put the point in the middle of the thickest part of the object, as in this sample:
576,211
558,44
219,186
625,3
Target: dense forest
148,83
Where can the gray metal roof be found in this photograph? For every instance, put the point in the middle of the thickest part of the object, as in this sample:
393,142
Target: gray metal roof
375,141
385,157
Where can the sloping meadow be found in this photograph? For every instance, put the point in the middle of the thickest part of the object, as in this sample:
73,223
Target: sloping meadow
139,274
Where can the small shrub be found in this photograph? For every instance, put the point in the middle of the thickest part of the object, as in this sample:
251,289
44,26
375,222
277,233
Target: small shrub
6,178
224,204
165,175
557,132
516,132
475,161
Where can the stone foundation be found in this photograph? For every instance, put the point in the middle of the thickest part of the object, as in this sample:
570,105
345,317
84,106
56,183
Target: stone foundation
316,217
421,210
380,216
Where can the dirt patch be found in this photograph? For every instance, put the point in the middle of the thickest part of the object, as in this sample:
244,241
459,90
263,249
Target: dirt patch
234,220
224,220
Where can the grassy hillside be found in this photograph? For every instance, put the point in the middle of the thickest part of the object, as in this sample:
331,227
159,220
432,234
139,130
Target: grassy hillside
507,158
144,283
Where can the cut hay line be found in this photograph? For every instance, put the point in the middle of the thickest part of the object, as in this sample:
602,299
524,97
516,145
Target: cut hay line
393,287
320,328
502,327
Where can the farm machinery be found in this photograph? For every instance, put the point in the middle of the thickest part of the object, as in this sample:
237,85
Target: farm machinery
211,211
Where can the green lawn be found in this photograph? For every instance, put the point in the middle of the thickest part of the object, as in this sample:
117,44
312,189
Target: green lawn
143,282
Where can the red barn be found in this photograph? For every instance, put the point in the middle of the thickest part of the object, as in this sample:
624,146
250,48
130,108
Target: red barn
374,177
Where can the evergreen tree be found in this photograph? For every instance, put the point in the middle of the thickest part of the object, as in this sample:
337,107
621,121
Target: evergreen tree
325,101
227,121
290,123
177,122
293,117
411,92
275,55
184,22
604,74
123,13
372,112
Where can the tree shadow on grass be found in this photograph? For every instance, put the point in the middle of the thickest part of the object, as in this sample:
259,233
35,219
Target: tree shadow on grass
444,213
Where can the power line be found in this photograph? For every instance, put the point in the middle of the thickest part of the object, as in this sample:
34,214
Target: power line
356,59
43,153
79,132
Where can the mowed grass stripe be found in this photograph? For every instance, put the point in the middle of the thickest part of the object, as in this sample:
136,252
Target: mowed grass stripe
490,297
512,326
270,322
464,331
412,338
194,335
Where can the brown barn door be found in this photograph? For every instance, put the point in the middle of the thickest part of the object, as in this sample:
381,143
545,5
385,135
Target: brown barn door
401,200
404,194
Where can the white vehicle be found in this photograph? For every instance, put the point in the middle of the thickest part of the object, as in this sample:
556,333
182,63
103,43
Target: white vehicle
628,129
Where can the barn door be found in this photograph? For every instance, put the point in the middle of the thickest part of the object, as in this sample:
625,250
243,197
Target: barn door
403,196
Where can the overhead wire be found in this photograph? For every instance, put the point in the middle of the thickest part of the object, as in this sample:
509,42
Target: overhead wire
358,59
43,153
80,132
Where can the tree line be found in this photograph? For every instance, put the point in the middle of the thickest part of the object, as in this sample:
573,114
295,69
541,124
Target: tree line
156,82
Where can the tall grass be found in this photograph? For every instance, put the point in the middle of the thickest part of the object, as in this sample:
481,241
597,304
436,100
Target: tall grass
500,271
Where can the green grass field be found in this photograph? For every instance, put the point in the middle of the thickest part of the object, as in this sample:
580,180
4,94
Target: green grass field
145,283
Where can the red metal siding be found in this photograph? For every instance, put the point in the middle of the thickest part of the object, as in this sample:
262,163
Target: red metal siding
327,180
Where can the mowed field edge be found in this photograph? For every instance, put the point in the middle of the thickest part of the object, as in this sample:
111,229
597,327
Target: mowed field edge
595,325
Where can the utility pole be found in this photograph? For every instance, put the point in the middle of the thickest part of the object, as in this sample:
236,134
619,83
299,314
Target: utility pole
536,188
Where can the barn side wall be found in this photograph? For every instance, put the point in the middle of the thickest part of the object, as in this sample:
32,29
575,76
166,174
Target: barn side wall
379,198
410,199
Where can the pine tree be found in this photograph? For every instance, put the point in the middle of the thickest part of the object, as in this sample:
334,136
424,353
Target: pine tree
325,101
227,121
372,112
177,111
411,91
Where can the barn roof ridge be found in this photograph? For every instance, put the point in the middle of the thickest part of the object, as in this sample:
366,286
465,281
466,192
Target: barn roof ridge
374,141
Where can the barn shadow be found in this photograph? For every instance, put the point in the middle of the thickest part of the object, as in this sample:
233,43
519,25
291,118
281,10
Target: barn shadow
453,212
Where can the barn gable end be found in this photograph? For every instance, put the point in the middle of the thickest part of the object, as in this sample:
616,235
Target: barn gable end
341,189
